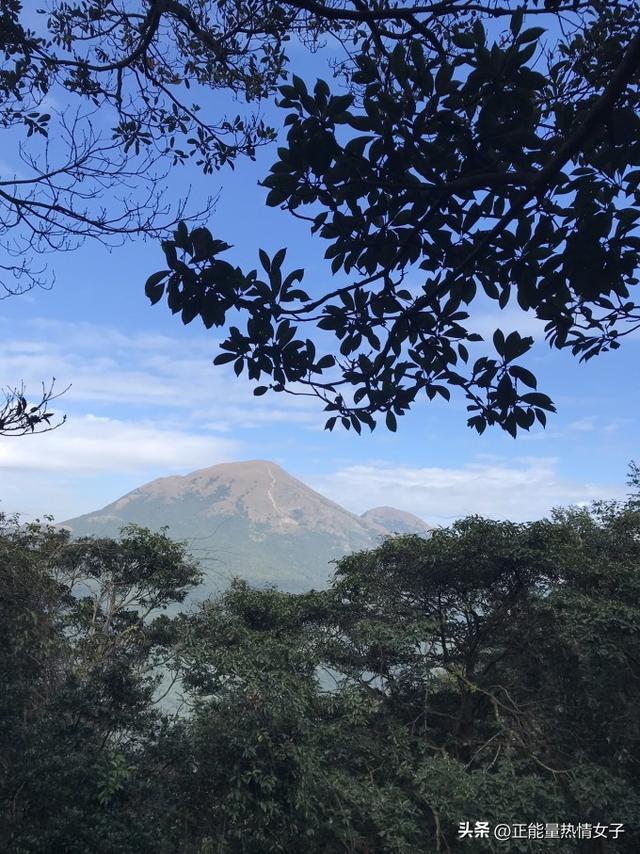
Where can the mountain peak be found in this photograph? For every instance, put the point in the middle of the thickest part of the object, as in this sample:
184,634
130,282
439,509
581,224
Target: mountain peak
252,519
242,466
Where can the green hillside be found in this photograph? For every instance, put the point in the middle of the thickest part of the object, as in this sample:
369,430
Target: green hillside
252,520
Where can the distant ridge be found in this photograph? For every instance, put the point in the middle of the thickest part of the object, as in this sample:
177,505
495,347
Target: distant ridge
397,521
250,519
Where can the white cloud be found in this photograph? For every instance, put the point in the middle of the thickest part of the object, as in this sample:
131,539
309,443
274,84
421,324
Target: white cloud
584,425
107,367
90,461
578,430
96,444
168,411
520,490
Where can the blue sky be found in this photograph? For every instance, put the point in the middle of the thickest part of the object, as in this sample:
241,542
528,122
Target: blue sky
145,400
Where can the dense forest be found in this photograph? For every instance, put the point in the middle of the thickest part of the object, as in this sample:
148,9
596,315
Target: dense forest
486,673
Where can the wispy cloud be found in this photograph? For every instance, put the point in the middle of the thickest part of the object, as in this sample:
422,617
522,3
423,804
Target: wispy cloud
583,425
140,406
520,490
581,428
92,460
143,406
96,444
173,374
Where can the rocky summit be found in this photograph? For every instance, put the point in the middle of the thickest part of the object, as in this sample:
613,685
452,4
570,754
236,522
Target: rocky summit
253,520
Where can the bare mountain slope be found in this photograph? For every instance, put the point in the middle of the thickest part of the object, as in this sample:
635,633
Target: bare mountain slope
251,519
397,521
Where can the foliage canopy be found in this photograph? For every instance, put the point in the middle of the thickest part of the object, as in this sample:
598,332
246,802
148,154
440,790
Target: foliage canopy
477,153
99,100
480,153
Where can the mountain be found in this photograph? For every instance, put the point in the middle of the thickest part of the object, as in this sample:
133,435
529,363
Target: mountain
397,521
250,519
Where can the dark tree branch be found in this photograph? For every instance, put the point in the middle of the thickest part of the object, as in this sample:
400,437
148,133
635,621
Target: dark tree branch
20,417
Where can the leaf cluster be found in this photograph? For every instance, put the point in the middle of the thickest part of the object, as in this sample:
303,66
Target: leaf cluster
492,166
